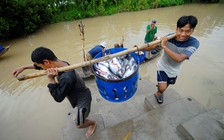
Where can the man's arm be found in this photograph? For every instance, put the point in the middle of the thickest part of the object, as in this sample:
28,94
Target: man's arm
175,56
51,74
155,33
61,89
17,71
150,29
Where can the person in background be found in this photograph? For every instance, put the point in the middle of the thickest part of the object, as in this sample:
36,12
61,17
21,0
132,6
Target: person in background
101,48
68,84
95,50
176,50
151,30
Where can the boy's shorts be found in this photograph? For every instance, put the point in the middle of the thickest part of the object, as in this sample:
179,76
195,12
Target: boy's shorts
82,114
162,77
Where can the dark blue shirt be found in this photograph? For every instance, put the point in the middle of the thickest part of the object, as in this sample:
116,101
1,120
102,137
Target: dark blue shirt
94,51
71,85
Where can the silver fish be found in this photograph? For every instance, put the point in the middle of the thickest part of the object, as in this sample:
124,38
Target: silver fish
120,60
105,63
102,70
129,70
116,67
131,67
132,62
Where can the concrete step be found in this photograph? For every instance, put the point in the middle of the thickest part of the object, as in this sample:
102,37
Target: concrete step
159,123
170,95
205,126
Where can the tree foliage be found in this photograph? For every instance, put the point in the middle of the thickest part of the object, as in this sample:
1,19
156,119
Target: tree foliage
22,17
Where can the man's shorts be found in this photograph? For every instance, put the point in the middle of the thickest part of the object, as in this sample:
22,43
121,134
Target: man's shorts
162,77
82,114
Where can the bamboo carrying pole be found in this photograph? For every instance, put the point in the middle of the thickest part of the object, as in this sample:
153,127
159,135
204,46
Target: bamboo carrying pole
87,63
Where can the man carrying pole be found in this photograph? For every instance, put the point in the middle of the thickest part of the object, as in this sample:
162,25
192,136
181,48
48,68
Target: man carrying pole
68,84
176,50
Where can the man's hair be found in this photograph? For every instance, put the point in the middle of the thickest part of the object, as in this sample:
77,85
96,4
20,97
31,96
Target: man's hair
41,53
184,20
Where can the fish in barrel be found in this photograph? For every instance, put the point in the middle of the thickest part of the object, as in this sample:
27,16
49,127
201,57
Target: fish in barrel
116,68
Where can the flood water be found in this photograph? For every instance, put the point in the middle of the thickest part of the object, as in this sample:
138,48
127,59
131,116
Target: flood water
29,112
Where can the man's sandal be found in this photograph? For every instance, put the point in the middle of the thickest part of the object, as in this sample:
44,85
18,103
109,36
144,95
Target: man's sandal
159,98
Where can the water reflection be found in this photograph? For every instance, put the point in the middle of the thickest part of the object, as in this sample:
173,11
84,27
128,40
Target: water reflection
29,111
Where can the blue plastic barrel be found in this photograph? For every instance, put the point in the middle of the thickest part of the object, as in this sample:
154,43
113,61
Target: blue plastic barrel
117,90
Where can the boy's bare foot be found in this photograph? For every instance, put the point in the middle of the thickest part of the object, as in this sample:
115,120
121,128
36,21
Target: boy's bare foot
91,130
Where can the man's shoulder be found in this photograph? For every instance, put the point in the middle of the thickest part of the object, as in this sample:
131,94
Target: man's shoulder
68,75
192,41
192,38
148,26
98,47
156,28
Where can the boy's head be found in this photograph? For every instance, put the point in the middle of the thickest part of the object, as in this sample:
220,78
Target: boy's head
185,27
41,56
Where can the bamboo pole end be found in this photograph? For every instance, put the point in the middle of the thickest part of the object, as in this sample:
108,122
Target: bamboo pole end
21,77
